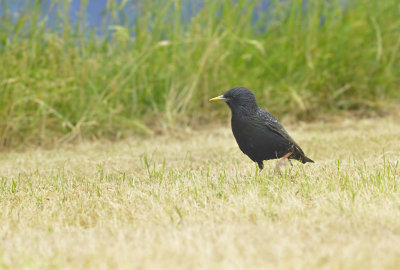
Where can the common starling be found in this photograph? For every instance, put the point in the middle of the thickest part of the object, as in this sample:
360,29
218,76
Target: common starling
257,132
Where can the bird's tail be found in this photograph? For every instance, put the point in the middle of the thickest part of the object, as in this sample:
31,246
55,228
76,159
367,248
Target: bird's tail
305,159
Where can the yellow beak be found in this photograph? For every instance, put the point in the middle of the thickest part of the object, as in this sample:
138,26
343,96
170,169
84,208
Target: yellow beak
219,98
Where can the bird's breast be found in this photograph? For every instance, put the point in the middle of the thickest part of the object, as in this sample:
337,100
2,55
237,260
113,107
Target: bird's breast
245,133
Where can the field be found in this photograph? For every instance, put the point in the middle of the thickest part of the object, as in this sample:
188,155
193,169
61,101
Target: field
112,156
192,200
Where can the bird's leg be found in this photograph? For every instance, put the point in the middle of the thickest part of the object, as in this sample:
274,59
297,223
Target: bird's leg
282,162
260,167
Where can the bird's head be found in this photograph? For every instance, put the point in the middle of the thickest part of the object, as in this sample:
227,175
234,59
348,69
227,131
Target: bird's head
238,99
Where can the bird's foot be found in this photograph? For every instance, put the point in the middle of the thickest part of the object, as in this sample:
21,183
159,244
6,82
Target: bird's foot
259,172
280,164
284,161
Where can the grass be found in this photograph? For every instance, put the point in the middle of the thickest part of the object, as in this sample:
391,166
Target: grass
193,201
154,67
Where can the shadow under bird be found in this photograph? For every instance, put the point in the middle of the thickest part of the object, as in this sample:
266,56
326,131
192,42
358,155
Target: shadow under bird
257,132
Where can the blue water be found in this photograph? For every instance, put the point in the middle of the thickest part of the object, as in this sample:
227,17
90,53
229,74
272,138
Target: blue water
95,14
95,9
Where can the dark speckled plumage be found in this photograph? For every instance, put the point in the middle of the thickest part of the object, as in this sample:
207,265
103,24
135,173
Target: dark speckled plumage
257,132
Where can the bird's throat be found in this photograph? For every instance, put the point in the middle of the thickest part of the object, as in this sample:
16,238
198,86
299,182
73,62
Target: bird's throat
242,112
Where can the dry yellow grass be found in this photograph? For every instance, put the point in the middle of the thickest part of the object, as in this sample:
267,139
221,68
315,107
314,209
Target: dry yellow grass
195,202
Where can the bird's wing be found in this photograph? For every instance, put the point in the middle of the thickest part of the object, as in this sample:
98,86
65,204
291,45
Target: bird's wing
273,124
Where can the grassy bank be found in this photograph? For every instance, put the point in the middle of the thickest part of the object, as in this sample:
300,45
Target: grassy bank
66,82
195,202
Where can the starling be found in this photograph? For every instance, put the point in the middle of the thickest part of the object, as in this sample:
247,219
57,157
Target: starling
257,132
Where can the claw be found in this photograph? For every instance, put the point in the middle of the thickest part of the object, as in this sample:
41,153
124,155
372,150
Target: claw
282,162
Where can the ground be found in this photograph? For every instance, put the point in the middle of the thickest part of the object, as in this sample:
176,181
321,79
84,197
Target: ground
192,200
